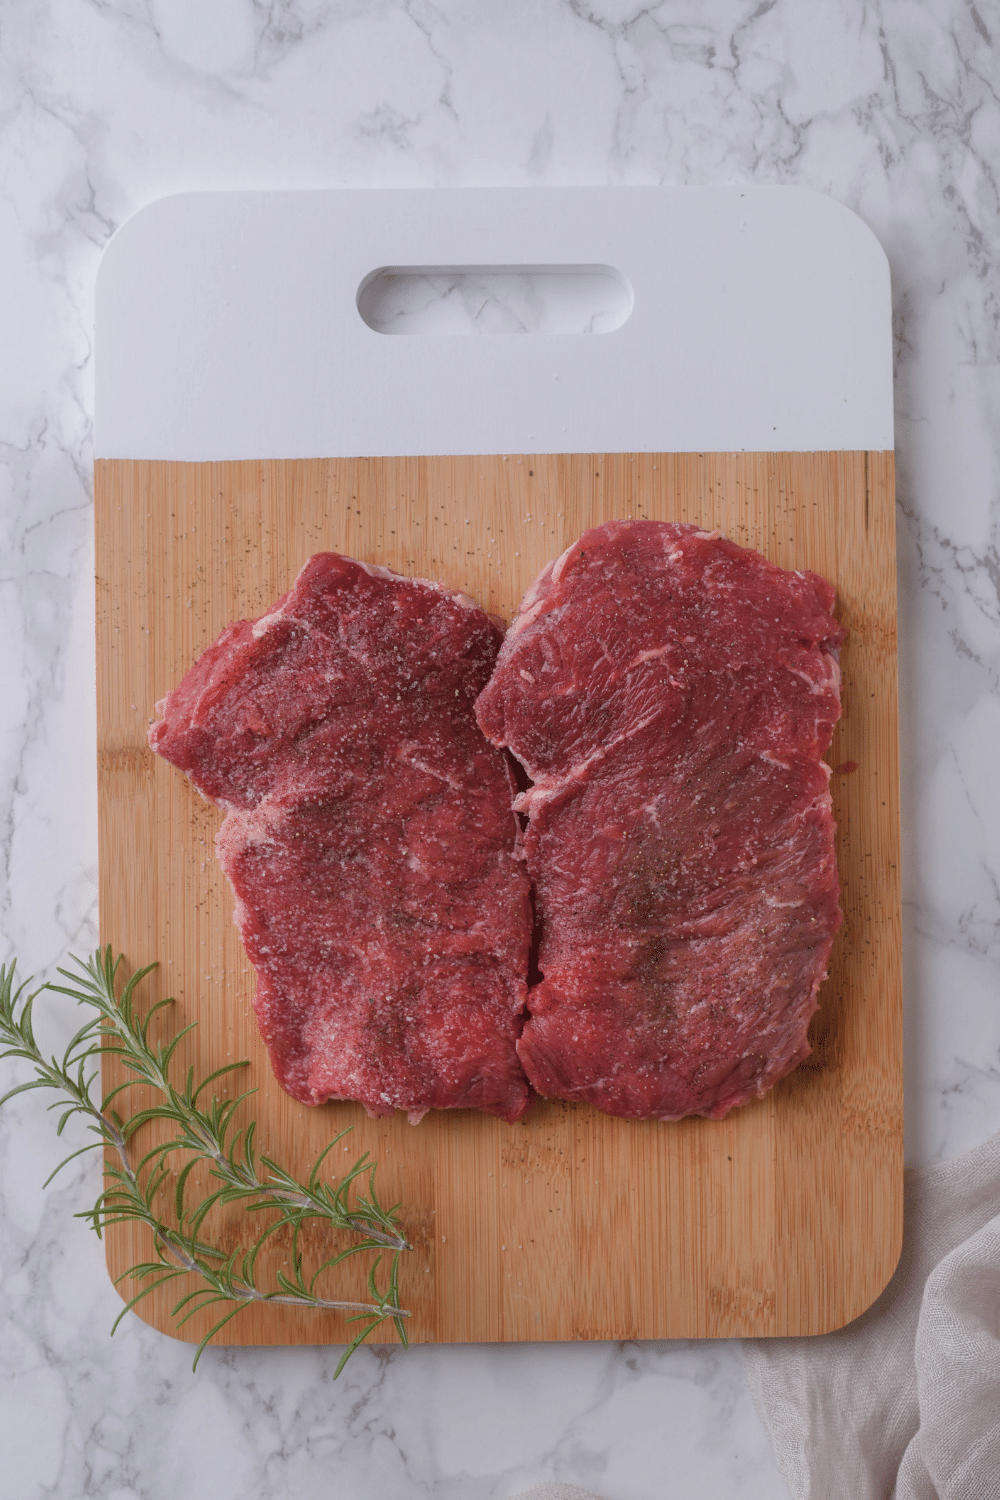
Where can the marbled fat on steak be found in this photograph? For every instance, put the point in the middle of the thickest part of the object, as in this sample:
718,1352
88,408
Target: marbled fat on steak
368,837
671,695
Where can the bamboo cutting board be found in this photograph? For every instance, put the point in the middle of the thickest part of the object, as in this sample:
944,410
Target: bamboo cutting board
784,1218
748,388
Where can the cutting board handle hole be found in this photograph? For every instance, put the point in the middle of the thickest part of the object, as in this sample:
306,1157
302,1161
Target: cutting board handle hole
495,300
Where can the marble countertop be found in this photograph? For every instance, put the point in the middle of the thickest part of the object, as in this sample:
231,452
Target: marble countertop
891,108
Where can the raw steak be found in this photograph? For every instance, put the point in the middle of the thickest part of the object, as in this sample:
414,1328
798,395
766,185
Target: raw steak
670,695
368,838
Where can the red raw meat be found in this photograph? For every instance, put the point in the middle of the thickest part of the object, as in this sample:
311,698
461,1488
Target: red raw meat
671,694
368,838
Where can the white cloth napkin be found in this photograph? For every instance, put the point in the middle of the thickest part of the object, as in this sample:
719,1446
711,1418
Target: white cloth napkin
903,1403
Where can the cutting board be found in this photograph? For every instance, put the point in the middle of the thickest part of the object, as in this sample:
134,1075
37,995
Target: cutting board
221,470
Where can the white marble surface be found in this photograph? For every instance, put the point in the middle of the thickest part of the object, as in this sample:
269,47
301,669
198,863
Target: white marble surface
890,106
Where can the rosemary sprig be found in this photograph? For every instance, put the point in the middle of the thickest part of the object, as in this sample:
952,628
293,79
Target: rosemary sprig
205,1133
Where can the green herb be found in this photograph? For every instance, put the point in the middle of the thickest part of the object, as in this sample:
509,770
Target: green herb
204,1133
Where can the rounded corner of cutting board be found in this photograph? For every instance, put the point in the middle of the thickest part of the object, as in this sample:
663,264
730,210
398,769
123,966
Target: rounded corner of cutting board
889,1269
150,1312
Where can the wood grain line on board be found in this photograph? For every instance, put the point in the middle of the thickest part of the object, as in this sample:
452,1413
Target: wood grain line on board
784,1218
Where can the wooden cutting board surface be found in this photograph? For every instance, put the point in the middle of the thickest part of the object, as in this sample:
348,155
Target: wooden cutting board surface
784,1218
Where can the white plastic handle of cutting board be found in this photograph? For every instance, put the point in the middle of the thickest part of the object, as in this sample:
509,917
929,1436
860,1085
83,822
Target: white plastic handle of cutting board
227,326
494,300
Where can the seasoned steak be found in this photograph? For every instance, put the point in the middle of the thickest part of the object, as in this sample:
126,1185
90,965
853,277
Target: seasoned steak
670,695
368,837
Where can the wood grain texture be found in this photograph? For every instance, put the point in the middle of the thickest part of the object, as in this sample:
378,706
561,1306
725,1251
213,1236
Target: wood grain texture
784,1218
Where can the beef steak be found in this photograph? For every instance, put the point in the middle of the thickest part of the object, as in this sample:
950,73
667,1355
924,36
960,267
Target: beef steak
671,694
368,838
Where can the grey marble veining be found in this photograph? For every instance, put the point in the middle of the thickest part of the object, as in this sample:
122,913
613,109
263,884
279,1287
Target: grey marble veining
892,108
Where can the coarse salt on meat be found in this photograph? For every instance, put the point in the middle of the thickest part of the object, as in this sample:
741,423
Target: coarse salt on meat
671,696
368,839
